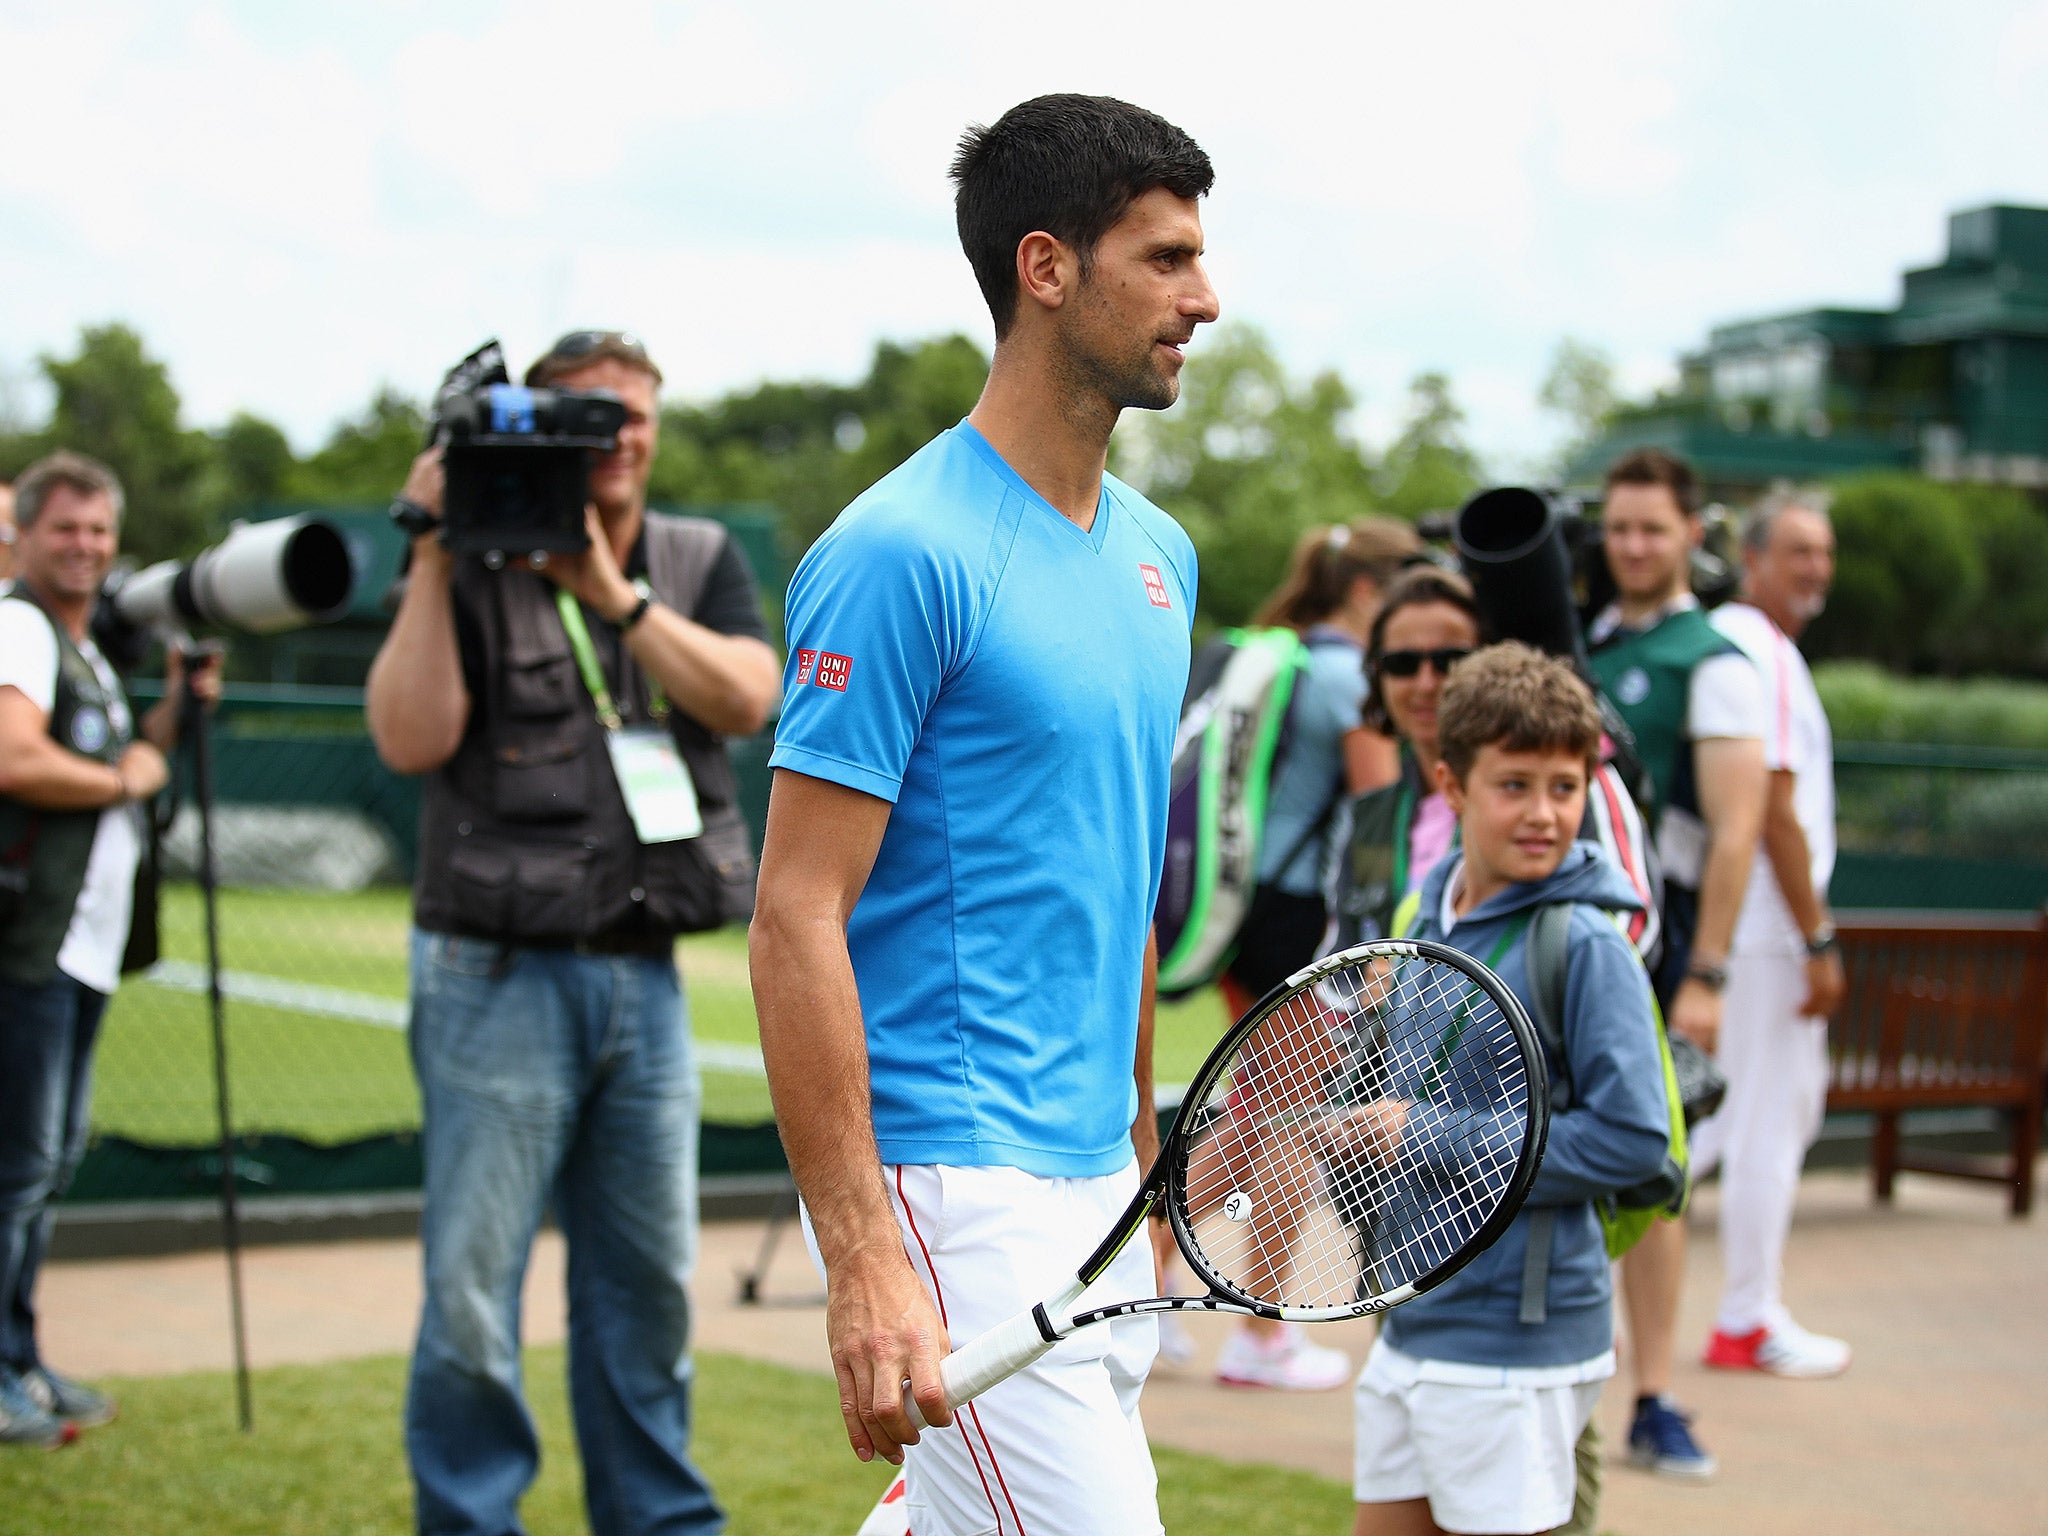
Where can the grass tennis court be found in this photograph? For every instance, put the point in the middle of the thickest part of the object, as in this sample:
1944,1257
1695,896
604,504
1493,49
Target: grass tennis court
315,1023
325,1460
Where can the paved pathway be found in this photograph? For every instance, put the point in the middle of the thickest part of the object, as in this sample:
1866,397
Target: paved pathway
1942,1425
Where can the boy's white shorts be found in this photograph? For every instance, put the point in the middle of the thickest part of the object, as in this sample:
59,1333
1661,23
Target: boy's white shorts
1489,1447
1058,1449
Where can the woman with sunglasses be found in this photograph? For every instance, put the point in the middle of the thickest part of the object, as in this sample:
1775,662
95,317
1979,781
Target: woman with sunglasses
1329,597
1428,622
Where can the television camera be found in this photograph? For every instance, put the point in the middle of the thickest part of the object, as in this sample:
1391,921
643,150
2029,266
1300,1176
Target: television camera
517,461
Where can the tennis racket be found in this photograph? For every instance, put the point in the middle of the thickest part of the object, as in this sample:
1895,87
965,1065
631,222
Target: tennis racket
1368,1127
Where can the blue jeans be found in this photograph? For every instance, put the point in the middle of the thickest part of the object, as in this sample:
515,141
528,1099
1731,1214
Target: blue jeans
546,1074
46,1039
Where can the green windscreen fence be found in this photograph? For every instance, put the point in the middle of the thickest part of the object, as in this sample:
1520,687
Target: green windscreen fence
315,845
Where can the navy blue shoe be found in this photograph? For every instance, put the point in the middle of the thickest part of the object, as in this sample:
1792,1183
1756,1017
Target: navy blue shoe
1660,1440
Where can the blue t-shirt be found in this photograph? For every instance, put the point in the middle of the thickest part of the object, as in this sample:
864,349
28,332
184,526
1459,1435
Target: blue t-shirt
1323,710
1013,685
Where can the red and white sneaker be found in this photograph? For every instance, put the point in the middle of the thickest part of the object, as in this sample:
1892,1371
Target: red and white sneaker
1290,1363
1779,1349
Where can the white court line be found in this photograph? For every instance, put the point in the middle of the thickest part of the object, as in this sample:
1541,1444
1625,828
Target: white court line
380,1012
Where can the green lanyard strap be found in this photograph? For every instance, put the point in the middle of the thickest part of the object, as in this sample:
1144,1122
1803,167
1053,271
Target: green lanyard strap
593,674
1457,1030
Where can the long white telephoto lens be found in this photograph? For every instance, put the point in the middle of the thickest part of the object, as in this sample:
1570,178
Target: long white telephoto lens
261,579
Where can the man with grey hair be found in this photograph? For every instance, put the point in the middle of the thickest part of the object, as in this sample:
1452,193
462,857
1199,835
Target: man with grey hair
1784,969
73,774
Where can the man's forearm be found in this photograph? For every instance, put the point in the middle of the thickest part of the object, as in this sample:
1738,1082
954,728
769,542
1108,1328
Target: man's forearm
41,773
1145,1126
415,701
1791,859
816,1054
726,682
1722,885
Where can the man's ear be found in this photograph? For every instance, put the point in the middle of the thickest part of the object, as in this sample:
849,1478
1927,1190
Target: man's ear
1047,270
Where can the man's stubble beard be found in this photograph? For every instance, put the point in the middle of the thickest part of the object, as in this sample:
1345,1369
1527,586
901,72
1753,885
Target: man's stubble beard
1120,379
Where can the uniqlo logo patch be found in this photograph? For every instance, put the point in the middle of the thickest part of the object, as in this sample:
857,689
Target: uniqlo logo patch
806,664
1155,586
833,671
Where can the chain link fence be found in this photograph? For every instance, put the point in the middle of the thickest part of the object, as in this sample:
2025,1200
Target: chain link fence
314,845
314,849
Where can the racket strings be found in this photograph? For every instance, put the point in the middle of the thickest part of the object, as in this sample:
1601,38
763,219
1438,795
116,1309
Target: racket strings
1358,1136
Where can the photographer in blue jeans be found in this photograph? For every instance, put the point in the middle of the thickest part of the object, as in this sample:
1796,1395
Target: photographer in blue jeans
75,769
561,716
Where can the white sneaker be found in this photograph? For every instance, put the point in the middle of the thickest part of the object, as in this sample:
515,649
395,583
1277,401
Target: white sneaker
1290,1363
1789,1350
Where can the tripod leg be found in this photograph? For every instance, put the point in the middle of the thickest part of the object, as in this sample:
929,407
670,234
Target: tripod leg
196,733
753,1283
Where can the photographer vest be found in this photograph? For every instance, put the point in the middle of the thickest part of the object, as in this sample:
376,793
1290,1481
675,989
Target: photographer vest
524,833
1647,674
44,853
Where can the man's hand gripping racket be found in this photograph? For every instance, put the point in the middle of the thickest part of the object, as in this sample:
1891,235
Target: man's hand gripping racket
1354,1140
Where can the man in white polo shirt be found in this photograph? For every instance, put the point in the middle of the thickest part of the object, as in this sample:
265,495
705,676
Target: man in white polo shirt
1784,970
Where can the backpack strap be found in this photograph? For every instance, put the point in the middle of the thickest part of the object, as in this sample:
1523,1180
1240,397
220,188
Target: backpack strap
1548,955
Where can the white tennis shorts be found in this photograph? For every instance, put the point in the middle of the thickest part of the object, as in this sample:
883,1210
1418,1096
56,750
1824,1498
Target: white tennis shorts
1058,1449
1491,1451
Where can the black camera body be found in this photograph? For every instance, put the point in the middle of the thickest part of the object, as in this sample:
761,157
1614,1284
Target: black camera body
517,459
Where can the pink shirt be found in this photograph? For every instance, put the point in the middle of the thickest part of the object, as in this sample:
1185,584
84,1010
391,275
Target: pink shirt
1429,837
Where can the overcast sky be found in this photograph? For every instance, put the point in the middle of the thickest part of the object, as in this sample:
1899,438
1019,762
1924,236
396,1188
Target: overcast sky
295,203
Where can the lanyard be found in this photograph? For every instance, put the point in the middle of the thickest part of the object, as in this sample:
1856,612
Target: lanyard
593,674
1456,1032
1404,813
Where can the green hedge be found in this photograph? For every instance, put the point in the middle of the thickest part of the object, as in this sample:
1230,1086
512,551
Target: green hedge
1866,703
1936,577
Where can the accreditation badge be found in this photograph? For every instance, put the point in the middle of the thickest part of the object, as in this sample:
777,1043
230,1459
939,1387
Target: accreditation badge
660,796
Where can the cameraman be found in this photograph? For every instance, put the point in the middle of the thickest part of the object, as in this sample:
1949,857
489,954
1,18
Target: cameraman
72,775
549,1033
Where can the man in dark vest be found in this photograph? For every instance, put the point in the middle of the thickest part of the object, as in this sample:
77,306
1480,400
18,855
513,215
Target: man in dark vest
571,725
1695,704
73,775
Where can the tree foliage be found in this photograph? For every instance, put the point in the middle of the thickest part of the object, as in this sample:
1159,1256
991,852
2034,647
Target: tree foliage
1247,461
1580,389
1429,467
1908,572
115,402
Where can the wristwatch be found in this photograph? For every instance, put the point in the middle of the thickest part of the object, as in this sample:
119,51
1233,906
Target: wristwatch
1821,941
1712,977
638,611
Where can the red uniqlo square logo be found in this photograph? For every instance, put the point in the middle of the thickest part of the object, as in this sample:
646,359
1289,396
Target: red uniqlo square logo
833,670
806,664
1155,586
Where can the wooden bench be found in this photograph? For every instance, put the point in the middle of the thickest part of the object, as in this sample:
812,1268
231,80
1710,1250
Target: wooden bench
1944,1011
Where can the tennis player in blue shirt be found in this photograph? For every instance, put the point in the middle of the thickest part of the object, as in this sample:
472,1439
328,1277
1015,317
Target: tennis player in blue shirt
987,655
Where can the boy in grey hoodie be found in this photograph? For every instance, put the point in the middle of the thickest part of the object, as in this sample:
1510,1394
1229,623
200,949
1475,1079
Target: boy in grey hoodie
1475,1393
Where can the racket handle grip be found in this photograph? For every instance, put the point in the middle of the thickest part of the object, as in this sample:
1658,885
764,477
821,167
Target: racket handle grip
982,1362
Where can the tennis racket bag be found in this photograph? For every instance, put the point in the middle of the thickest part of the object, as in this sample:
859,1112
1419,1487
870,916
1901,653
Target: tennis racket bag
1232,726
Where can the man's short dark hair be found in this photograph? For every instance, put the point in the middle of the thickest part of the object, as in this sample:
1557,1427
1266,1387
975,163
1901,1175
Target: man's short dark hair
75,472
1514,697
1069,165
1653,466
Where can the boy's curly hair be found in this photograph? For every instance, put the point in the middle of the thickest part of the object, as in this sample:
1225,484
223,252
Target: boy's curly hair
1514,697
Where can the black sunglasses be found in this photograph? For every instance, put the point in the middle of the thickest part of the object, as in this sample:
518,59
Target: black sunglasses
1408,663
